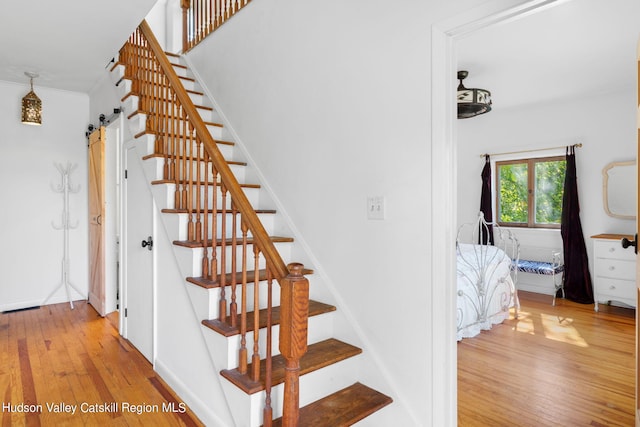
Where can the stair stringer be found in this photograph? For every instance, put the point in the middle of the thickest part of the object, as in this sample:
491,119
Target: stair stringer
372,368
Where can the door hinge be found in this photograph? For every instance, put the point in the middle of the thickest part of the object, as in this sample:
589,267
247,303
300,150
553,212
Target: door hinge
126,312
125,173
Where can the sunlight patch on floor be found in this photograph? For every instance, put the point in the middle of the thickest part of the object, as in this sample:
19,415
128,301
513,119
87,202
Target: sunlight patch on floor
553,327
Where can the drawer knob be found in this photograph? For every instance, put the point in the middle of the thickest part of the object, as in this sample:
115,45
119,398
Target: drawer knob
611,268
612,249
612,287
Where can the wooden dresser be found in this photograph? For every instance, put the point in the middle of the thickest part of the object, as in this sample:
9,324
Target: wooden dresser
614,270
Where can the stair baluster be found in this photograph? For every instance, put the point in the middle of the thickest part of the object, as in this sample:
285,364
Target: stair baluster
214,223
268,411
189,183
255,359
233,307
242,353
205,225
222,315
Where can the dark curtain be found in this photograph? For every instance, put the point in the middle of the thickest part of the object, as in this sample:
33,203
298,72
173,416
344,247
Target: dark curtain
576,277
485,201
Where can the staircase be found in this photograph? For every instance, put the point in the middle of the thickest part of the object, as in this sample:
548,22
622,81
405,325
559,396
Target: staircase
272,345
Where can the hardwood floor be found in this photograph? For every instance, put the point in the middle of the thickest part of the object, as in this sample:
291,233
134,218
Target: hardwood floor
57,356
554,366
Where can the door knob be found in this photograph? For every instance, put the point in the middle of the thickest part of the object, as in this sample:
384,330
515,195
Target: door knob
147,243
626,243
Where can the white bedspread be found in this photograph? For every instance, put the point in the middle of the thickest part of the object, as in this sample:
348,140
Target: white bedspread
485,288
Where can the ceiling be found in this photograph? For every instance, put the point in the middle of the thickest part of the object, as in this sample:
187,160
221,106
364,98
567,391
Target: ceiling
574,49
68,43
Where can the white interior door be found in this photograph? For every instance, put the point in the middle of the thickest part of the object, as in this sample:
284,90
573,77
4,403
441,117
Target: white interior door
138,227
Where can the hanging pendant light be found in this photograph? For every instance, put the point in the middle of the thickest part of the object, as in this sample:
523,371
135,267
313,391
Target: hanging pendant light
31,105
472,102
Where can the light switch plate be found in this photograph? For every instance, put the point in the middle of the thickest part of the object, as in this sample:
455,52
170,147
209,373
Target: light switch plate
375,207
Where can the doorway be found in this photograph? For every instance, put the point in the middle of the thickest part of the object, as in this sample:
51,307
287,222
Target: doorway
444,36
104,213
137,312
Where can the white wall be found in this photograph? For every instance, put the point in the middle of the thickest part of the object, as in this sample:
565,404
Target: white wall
606,126
32,250
332,101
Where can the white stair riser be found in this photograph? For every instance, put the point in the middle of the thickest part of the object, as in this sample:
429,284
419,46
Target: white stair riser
214,296
177,225
196,98
147,143
203,300
188,84
191,167
130,105
190,259
166,197
117,73
248,409
319,328
207,115
123,88
180,71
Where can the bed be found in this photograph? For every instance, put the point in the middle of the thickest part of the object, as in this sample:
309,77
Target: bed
486,277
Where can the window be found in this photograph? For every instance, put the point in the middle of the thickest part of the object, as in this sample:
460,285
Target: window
529,192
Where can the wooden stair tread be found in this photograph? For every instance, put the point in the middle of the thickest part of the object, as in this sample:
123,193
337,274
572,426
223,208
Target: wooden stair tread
342,408
315,309
178,135
194,244
180,158
157,134
208,211
168,116
318,356
210,183
207,283
189,79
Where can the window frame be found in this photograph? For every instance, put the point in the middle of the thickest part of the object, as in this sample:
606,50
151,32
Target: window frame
531,163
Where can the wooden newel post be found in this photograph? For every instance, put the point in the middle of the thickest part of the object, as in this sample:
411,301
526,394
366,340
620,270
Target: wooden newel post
185,4
294,313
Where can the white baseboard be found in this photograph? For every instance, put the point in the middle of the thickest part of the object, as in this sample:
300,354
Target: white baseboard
201,409
35,303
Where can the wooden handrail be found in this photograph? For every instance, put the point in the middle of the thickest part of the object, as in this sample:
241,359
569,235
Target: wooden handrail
226,175
196,167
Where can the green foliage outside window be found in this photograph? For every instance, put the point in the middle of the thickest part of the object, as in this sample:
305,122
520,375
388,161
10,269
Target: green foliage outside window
531,200
549,190
514,202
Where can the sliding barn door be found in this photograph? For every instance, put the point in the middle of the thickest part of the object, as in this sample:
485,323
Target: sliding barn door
96,219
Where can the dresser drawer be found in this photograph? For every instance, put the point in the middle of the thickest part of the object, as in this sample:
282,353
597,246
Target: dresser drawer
615,269
612,249
613,289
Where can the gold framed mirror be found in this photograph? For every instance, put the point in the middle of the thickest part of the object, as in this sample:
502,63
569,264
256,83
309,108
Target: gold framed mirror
619,189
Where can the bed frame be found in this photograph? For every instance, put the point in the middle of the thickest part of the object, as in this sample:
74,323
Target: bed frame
482,274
